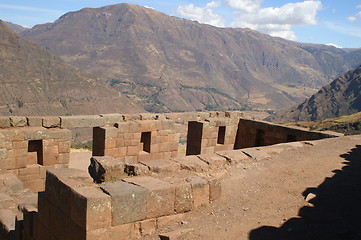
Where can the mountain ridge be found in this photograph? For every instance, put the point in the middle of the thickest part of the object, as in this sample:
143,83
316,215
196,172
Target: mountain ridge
341,97
172,64
34,82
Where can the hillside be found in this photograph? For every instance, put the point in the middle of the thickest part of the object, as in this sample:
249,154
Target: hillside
348,125
34,82
341,97
172,64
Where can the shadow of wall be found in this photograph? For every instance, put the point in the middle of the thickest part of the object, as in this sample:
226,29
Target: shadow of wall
336,210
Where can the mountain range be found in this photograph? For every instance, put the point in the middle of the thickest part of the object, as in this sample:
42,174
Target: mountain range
167,63
35,82
340,97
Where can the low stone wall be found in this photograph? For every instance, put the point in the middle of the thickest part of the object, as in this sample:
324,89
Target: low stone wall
28,152
73,207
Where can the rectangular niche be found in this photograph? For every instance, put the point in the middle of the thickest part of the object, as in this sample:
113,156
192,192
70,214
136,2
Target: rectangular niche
36,146
194,138
221,135
146,140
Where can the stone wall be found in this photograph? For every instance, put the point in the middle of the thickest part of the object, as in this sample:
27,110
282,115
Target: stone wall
137,141
28,151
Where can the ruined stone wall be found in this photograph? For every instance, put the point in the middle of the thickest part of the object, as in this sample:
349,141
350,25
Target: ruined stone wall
73,207
28,152
137,141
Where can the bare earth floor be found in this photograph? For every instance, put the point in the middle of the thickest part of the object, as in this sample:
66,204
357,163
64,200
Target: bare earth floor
266,199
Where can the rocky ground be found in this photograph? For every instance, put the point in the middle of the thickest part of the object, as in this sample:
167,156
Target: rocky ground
311,191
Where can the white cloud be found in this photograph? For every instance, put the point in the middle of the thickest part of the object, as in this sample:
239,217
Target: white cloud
250,14
279,21
26,8
333,45
245,5
352,18
355,17
202,14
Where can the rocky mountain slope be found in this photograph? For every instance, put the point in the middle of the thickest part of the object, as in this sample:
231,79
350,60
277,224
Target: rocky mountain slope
341,97
15,27
173,64
34,82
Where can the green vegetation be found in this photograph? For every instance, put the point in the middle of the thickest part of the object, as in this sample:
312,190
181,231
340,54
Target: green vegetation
348,125
88,145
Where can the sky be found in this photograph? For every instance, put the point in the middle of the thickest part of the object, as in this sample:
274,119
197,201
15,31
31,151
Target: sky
333,22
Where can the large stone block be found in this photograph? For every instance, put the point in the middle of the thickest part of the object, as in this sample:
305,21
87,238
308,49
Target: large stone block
18,121
51,122
128,202
161,166
213,160
81,121
183,197
90,208
111,119
160,195
4,122
234,157
105,168
200,190
120,232
35,121
192,163
59,186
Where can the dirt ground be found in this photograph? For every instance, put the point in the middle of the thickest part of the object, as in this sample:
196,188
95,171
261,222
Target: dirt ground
267,199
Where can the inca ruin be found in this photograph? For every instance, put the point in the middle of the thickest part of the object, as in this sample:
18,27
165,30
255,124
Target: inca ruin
137,176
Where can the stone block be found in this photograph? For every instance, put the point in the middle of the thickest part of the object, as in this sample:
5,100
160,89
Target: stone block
111,119
215,188
234,157
160,195
200,190
64,146
6,201
192,163
4,122
162,166
128,202
183,197
144,156
36,185
18,121
105,168
133,150
213,160
136,169
51,122
21,162
148,227
131,117
120,232
81,121
59,184
256,153
7,220
35,121
177,234
90,208
10,182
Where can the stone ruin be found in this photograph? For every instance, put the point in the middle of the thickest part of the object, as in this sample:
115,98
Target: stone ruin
139,176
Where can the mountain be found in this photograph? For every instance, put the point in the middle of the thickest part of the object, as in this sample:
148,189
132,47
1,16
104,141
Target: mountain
341,97
15,27
34,82
172,64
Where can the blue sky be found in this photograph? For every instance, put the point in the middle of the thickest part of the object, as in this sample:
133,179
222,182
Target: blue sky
316,21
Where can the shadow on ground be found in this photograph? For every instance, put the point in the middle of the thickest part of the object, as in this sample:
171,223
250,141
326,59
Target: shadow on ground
336,213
